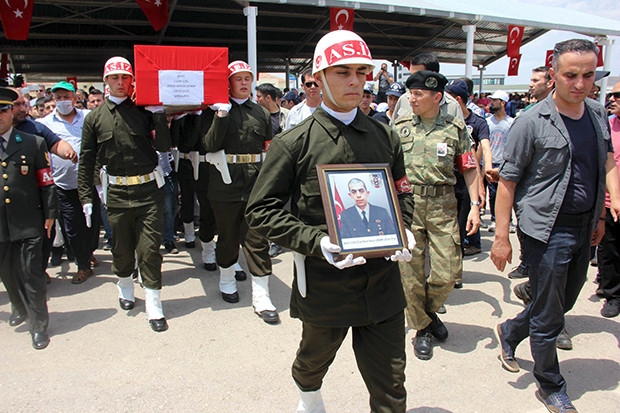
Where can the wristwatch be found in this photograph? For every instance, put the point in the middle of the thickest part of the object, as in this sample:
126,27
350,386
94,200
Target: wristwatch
477,203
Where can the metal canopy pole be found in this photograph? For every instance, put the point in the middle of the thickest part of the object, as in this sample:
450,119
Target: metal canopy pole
608,43
470,29
251,12
481,70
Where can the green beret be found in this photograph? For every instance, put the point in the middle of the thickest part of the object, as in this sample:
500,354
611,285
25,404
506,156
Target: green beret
427,80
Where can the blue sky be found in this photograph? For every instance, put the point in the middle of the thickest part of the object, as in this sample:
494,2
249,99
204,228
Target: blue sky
533,54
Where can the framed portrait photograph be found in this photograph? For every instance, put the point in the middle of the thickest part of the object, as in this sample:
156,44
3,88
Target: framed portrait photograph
362,210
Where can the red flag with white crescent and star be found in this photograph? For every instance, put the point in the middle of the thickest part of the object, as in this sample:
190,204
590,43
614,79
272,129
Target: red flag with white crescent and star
513,66
340,19
16,16
156,11
339,206
599,58
513,41
549,58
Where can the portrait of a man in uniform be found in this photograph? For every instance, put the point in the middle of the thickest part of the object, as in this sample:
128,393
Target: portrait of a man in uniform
364,219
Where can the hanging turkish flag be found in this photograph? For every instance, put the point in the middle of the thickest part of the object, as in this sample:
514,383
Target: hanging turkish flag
340,19
599,60
73,81
406,63
156,11
16,16
549,58
513,42
513,66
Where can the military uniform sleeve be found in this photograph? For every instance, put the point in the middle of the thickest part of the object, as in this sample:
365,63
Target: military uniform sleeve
162,141
265,212
214,138
88,158
403,187
46,183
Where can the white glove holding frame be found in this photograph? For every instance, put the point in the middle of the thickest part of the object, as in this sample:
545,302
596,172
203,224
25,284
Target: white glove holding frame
330,249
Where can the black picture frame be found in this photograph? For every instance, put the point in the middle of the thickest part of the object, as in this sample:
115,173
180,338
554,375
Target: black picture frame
383,232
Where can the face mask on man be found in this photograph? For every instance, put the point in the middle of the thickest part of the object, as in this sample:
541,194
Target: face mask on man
64,107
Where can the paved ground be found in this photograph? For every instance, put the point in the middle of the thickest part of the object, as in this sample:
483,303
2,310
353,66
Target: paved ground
219,357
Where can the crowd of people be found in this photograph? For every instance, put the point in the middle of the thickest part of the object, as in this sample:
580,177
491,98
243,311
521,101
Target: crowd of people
244,171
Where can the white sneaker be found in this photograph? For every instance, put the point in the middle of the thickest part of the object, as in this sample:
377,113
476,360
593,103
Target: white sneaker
492,227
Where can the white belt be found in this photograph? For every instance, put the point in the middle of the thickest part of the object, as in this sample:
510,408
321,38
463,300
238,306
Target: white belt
201,158
131,180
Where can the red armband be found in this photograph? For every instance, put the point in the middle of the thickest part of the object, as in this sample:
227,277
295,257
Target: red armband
465,161
44,177
266,145
403,185
153,134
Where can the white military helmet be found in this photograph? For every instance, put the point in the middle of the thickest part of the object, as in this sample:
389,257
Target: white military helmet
239,66
117,66
341,47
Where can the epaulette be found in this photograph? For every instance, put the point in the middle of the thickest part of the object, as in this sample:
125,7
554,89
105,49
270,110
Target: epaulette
458,122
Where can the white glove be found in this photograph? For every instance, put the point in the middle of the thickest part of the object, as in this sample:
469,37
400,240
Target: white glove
155,109
410,240
221,106
99,189
405,254
328,249
88,211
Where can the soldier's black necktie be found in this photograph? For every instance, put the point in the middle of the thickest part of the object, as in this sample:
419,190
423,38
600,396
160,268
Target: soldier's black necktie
364,219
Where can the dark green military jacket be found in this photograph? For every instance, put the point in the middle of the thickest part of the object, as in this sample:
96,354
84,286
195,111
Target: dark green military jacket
246,130
124,138
28,194
358,295
187,133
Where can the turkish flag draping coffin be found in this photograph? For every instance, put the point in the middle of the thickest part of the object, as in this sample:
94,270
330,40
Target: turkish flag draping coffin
180,76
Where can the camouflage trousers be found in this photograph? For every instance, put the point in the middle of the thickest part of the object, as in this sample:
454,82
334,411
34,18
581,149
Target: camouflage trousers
436,232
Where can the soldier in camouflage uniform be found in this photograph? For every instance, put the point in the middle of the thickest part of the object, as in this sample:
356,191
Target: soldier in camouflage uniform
432,143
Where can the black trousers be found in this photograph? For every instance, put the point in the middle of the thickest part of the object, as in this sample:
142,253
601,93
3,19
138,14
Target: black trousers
379,352
232,232
83,240
609,259
24,280
185,175
208,229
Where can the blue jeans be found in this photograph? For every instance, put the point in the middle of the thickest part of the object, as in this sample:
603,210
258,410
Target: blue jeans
557,271
171,205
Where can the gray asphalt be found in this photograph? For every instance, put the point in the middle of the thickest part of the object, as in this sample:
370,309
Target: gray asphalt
220,357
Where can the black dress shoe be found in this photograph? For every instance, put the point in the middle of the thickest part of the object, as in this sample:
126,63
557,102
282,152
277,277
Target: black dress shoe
209,266
191,244
240,275
423,346
125,304
40,340
438,328
563,340
16,319
268,316
231,298
458,285
159,325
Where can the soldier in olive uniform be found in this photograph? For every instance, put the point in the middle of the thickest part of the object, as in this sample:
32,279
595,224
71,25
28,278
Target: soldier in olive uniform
243,130
329,296
27,213
432,143
124,138
193,173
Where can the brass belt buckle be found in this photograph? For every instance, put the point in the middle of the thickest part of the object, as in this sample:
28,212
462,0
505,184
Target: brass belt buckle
119,180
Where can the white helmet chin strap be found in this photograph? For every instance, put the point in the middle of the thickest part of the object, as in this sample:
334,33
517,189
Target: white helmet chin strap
328,91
